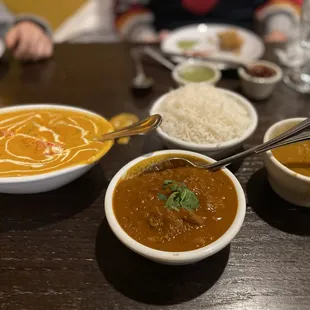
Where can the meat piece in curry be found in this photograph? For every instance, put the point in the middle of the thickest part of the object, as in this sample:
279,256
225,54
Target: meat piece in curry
177,209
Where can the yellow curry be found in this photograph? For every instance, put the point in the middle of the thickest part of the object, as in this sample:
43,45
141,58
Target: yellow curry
43,140
295,157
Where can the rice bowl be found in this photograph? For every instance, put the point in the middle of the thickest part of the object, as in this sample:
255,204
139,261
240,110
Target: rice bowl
216,149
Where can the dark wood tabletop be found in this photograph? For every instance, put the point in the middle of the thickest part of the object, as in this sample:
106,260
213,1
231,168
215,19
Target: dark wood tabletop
57,251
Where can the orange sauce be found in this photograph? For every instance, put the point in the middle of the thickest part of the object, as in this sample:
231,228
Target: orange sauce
295,157
43,140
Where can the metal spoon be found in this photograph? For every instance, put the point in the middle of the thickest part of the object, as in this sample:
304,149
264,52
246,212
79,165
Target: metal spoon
139,128
288,137
158,57
140,81
221,62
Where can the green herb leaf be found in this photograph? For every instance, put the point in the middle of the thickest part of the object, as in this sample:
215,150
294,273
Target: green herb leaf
167,182
189,200
173,201
181,196
174,187
161,196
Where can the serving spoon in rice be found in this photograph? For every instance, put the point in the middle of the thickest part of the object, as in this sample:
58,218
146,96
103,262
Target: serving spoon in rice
288,137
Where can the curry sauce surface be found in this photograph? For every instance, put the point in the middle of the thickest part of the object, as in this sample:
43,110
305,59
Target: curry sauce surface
295,157
146,219
43,140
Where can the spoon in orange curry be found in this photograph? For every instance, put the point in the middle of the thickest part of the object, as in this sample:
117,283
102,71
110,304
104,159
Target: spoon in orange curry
288,137
139,128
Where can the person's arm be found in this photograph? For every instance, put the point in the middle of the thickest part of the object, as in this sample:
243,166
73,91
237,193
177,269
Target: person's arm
29,37
134,22
279,19
7,20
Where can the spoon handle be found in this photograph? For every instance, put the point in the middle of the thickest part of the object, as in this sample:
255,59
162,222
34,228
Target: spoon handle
215,59
141,127
158,57
135,54
284,139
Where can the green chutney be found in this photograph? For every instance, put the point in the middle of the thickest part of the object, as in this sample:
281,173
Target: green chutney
196,74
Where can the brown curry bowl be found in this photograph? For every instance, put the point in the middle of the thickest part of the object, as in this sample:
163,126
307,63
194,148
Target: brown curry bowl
181,257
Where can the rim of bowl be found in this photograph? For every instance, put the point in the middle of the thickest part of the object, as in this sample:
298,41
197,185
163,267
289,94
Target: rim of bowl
143,250
195,63
41,176
267,137
212,147
262,80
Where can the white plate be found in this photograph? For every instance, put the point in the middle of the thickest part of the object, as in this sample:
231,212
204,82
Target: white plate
206,36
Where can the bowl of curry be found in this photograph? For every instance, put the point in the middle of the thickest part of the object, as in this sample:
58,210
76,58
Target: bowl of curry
176,216
46,146
288,167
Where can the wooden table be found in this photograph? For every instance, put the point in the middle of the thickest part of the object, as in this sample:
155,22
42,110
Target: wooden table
57,251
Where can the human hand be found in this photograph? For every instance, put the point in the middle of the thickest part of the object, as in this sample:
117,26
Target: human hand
275,37
29,41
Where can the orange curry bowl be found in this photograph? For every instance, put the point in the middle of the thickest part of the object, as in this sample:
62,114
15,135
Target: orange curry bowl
46,146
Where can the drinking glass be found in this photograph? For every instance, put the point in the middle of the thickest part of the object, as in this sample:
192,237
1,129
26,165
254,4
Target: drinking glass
299,78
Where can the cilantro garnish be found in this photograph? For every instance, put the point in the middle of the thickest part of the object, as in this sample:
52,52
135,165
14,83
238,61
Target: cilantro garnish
180,196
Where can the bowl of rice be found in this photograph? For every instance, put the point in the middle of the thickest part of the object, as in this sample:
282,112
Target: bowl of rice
205,119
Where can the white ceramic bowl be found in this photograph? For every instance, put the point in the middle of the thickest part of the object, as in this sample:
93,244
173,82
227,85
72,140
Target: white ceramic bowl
259,88
216,151
46,181
173,258
195,63
289,185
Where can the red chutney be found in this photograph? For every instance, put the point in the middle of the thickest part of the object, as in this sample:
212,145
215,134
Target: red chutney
261,71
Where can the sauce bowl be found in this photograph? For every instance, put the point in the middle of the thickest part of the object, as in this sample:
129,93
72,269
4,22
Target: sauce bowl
44,182
165,257
191,64
289,185
259,88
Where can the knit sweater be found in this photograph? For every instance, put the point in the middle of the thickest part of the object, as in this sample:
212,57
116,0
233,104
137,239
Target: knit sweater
7,20
137,19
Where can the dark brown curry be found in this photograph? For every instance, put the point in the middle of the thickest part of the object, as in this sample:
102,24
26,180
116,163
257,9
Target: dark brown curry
142,208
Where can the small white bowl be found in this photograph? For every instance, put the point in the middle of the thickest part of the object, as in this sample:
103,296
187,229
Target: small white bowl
259,88
216,151
195,63
173,258
46,181
289,185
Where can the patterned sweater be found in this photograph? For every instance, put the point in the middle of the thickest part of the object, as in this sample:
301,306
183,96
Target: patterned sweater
7,20
138,19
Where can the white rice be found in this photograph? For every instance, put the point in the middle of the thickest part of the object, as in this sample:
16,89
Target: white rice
202,114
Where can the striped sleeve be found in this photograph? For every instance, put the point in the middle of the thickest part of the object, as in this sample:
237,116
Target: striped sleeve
7,20
133,20
279,15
